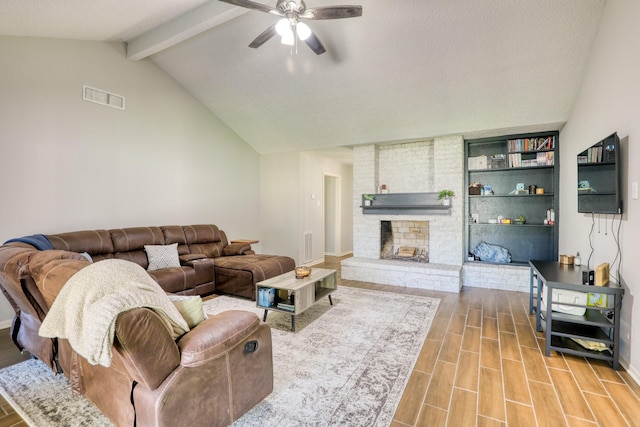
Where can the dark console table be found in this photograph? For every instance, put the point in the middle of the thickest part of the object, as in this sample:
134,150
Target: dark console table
597,324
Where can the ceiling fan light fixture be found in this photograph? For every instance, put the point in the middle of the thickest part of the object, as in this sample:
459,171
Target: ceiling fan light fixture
291,12
303,30
283,27
288,38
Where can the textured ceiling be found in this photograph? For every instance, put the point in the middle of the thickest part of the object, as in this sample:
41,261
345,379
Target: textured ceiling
403,71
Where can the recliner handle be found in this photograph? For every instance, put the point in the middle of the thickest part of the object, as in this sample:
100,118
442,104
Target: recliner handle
250,346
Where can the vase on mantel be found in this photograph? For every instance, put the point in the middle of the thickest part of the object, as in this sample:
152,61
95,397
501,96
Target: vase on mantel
445,196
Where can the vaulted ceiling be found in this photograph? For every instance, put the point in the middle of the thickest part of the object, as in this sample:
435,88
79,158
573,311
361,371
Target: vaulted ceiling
405,70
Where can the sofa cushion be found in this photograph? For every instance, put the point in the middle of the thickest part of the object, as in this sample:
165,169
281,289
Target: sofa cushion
162,256
180,280
52,269
262,267
175,234
94,242
205,239
134,238
202,233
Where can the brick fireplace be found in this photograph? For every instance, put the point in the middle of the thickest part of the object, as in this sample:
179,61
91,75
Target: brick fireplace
423,166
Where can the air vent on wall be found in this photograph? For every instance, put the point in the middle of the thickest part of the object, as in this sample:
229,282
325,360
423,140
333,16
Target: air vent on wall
102,97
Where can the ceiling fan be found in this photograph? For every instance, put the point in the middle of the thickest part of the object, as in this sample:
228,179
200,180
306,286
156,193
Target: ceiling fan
292,12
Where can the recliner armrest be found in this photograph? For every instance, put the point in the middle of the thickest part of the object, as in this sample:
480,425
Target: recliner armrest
187,258
237,249
201,264
146,346
216,335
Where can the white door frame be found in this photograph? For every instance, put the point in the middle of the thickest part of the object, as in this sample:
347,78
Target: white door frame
337,211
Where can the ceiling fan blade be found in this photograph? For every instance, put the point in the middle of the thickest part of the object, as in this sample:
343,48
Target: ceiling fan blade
332,12
262,38
254,5
315,44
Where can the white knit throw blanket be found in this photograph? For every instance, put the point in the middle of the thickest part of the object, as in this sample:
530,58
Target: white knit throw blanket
86,309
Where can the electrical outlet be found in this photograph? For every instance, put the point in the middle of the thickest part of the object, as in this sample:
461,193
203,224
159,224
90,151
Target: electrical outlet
634,190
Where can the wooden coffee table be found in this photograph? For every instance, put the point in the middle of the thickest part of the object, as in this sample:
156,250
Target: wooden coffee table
287,294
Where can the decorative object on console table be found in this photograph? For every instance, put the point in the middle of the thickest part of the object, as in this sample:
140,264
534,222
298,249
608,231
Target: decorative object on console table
602,274
302,271
566,259
266,297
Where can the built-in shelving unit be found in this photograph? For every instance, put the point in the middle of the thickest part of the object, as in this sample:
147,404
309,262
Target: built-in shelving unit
498,165
403,204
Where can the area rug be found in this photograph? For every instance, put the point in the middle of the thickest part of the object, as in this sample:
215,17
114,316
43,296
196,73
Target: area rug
345,364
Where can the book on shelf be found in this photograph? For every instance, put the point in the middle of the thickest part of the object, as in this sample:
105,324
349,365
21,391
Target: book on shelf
545,158
287,307
266,297
477,162
532,144
594,155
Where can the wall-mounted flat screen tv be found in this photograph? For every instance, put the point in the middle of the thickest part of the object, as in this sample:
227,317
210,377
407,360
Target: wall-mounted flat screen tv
599,177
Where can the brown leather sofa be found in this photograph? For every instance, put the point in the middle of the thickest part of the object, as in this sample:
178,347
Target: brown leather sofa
209,262
210,376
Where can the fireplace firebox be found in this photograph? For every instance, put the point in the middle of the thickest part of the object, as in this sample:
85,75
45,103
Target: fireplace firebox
404,240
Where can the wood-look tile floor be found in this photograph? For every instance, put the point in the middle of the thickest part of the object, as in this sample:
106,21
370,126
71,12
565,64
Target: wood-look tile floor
483,364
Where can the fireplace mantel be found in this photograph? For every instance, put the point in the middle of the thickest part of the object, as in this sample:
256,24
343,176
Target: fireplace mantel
404,204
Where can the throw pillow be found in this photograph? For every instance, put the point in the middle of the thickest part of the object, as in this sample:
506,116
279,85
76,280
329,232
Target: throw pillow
190,307
162,256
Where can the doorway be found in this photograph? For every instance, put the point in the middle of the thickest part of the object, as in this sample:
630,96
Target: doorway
332,215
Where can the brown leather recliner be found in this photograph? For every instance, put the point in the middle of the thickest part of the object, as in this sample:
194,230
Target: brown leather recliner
208,377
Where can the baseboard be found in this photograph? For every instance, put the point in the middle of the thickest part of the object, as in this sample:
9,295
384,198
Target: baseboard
5,324
315,262
633,372
339,254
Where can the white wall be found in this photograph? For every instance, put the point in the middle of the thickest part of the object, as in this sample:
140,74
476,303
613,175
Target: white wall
280,200
67,164
608,101
287,183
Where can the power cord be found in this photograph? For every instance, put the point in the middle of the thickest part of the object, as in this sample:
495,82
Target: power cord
593,224
618,258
